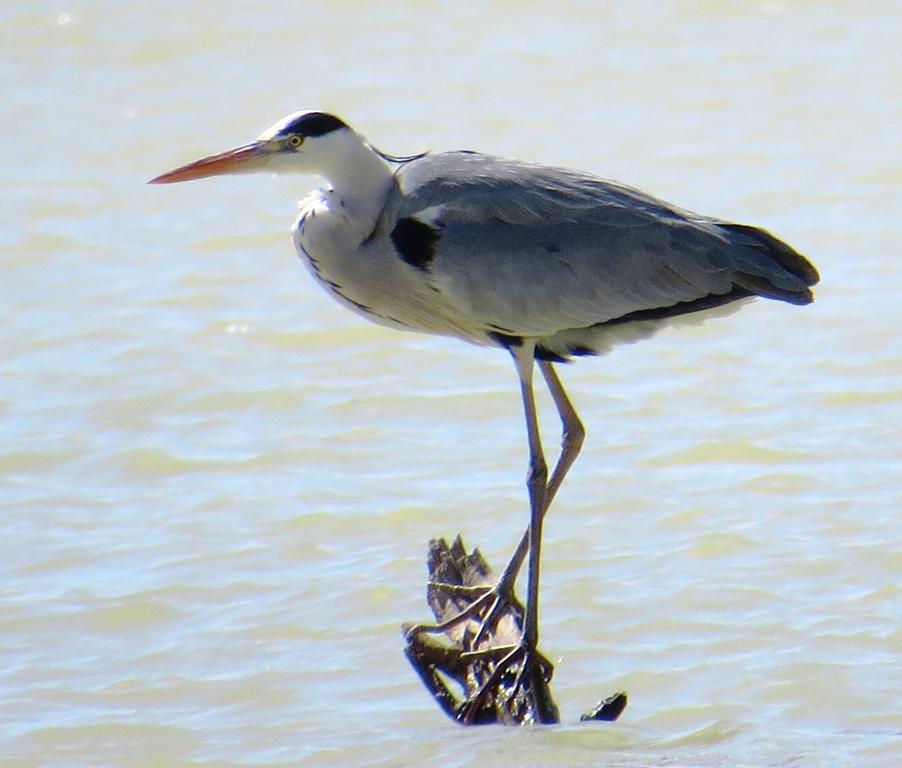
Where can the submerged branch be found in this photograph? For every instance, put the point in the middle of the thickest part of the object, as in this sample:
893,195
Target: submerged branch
469,660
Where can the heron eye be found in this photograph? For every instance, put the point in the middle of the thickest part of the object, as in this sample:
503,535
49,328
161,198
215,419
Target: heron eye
295,140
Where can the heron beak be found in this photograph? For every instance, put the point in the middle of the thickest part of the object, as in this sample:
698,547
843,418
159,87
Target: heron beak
246,159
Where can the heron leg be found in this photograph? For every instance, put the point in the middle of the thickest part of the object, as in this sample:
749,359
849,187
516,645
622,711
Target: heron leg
523,661
536,484
573,434
490,602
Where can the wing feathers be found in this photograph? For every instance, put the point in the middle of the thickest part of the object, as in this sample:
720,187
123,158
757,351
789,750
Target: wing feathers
540,250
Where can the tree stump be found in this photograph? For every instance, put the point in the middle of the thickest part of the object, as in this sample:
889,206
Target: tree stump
461,670
470,653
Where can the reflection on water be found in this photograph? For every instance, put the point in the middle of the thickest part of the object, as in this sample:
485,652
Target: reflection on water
218,485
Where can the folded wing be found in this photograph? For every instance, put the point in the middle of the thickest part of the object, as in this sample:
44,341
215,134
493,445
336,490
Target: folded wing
532,251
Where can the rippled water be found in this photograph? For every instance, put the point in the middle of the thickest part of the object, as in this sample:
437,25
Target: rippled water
217,486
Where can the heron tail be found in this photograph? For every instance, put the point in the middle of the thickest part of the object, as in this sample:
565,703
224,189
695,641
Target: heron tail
786,275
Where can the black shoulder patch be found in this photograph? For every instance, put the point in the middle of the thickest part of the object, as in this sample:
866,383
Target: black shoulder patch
314,124
415,242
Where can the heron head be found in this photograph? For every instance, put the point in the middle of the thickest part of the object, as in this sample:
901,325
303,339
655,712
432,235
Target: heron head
304,142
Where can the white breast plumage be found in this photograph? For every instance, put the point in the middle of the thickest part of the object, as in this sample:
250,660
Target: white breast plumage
319,235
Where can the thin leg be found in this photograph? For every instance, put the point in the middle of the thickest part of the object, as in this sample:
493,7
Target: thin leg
532,672
573,431
536,483
573,435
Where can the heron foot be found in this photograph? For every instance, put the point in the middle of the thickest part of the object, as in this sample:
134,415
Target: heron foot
485,669
517,682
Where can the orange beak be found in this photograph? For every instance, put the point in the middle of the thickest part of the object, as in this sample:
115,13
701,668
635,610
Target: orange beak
245,159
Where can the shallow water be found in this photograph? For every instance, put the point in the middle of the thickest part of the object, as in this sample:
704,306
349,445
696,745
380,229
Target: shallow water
217,485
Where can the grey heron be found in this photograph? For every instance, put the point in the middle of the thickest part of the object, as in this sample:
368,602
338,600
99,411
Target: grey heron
546,263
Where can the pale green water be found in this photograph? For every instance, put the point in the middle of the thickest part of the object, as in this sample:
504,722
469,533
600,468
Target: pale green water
217,485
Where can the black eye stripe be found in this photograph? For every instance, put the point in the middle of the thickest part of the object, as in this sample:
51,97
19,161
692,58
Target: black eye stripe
314,124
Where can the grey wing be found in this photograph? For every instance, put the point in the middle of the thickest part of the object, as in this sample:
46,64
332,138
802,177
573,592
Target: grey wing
530,250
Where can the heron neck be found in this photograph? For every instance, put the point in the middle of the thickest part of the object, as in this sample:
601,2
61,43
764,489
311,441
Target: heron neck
361,183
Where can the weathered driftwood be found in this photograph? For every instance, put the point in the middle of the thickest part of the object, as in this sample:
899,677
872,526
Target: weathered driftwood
462,670
607,709
486,692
